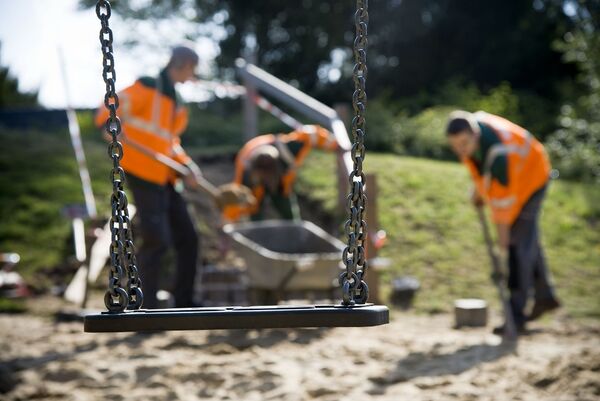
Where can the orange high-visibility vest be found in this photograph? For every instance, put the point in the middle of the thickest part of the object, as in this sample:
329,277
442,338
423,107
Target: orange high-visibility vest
151,120
308,137
528,168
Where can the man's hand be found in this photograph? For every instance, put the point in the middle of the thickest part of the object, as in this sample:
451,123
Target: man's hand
234,194
194,178
476,199
499,272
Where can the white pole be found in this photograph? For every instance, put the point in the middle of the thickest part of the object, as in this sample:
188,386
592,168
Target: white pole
74,132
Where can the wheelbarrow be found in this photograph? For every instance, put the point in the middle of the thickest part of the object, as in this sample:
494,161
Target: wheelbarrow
284,257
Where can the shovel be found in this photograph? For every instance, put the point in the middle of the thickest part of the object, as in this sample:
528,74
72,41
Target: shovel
510,329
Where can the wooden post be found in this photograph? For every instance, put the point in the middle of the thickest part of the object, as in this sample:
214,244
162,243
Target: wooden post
372,276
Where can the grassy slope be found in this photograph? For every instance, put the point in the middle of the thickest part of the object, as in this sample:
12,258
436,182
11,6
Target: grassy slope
39,177
434,233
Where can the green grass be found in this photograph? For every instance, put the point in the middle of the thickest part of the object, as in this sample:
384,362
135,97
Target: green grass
39,177
12,306
434,234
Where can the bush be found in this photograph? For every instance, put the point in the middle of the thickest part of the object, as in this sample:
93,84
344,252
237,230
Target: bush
535,113
381,121
423,135
575,146
218,126
500,100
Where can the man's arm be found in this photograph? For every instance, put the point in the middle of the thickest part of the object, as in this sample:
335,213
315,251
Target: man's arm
324,139
502,198
195,180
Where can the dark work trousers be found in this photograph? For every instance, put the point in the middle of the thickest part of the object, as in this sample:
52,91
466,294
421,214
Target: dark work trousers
164,221
527,264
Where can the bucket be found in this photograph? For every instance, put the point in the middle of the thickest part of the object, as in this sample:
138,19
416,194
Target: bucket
403,291
470,312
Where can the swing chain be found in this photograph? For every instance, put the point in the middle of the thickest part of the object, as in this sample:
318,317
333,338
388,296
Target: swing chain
354,288
122,250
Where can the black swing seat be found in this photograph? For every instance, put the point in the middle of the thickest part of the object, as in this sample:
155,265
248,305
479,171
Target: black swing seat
238,317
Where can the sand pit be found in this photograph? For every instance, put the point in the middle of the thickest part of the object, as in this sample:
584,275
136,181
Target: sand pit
414,357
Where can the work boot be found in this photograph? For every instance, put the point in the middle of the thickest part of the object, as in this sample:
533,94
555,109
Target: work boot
542,306
499,330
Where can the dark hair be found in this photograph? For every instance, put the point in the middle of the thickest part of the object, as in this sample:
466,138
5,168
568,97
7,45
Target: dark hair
265,158
460,121
264,162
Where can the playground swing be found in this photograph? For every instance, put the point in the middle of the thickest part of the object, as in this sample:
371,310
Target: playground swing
123,304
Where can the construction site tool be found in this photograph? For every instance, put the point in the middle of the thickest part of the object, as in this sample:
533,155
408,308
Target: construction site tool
124,303
277,266
223,195
510,329
76,291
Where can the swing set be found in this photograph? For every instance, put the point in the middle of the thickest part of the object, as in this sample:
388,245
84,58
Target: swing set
124,297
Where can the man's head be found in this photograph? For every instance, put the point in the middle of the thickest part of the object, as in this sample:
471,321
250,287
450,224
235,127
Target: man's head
463,133
264,166
182,65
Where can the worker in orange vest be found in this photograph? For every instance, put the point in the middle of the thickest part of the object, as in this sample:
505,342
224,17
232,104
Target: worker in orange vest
268,165
511,171
153,118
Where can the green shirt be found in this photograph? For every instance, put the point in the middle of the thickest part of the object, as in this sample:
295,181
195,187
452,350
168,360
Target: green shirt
499,168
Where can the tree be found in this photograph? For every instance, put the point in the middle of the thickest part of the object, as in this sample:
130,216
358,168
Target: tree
576,144
291,39
414,45
9,92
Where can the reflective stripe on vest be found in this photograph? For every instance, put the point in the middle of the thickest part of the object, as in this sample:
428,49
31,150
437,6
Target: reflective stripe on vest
141,124
503,203
314,138
177,149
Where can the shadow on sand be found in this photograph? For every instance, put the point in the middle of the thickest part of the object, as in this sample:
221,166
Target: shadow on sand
419,364
237,339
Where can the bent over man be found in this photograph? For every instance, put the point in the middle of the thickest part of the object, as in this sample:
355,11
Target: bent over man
510,170
268,165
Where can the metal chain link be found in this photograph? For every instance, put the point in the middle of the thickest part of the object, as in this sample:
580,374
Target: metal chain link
122,250
354,288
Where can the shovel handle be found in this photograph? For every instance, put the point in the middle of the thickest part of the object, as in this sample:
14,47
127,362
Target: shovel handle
510,328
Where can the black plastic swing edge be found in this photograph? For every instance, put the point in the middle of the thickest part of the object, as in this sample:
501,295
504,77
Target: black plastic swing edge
238,317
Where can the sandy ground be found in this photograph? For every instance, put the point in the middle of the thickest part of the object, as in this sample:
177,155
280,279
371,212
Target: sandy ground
414,357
